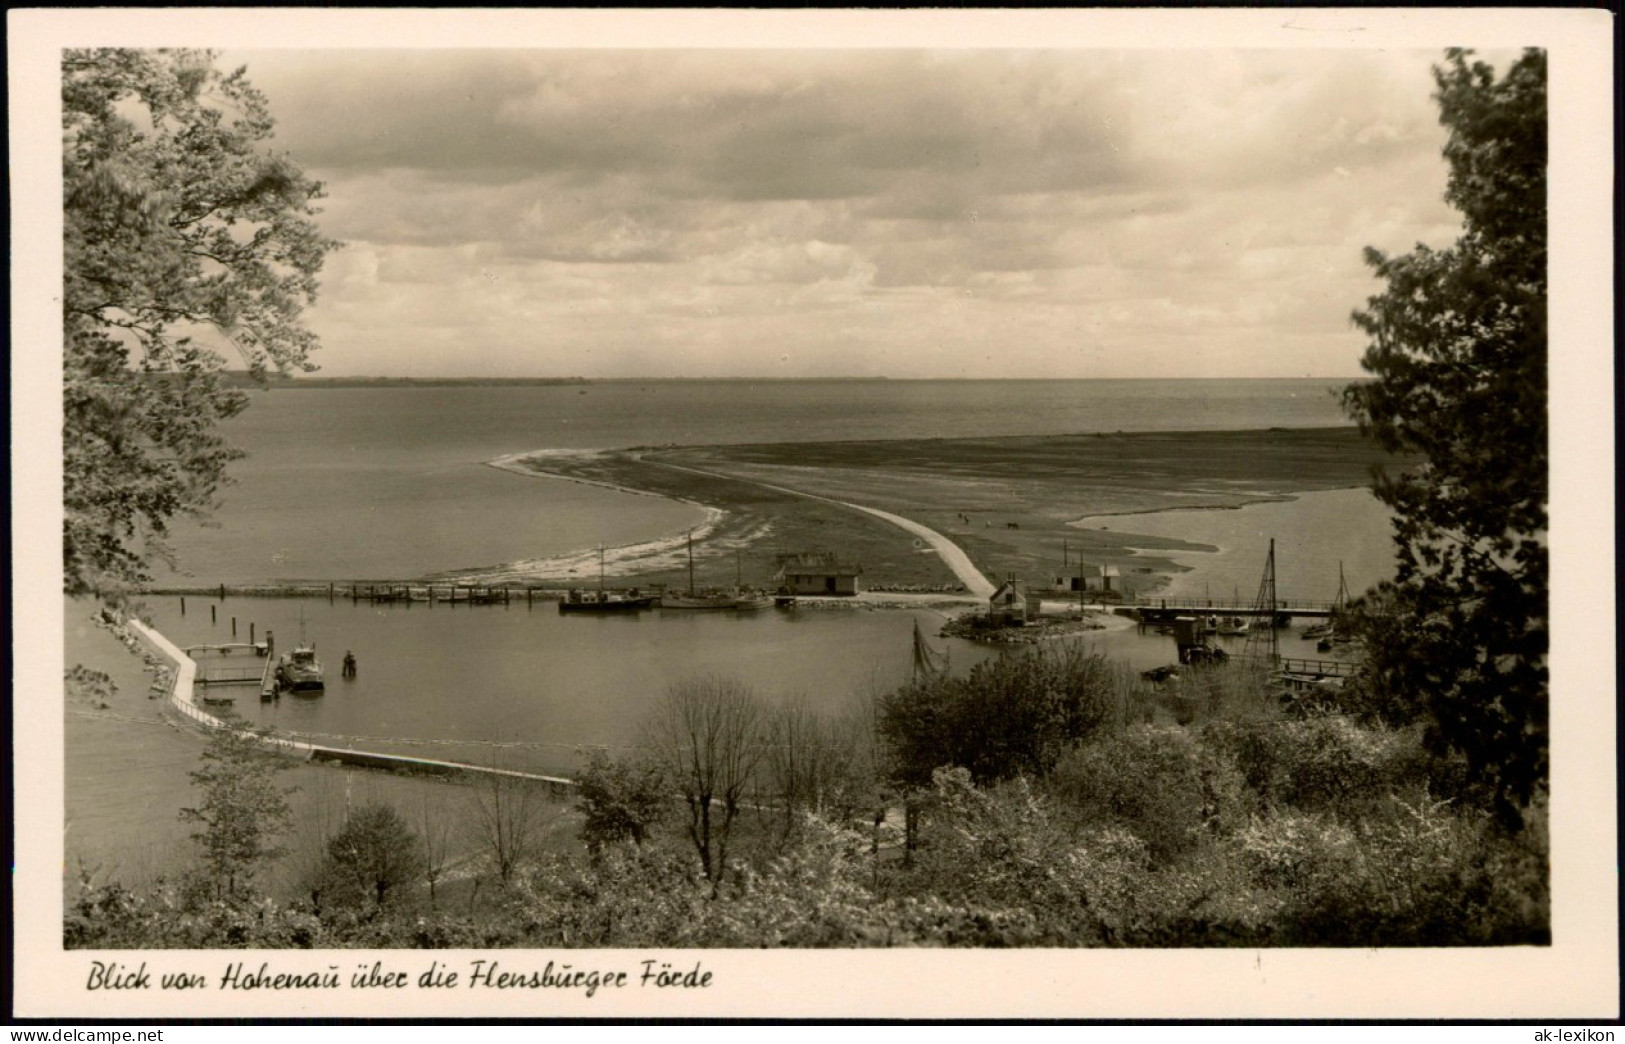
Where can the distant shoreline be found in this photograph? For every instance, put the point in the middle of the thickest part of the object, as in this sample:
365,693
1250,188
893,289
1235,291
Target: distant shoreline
240,379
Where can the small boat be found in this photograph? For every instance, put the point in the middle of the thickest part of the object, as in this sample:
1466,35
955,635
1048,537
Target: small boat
697,599
746,599
749,601
298,670
602,601
605,602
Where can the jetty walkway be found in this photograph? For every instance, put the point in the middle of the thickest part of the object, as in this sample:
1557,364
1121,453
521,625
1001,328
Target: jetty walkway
1162,610
183,698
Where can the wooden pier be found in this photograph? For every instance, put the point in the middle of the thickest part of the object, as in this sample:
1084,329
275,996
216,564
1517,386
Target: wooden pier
433,594
233,663
1314,670
1165,611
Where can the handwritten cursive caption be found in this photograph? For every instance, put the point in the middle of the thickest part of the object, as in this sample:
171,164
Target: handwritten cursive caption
482,974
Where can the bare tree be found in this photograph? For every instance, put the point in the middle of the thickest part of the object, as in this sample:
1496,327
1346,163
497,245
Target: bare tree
507,817
709,732
321,814
435,828
820,763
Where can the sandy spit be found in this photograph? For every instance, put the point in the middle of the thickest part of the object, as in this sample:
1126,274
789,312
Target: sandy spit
646,556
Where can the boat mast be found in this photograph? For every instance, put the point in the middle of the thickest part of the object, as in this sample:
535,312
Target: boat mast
1263,645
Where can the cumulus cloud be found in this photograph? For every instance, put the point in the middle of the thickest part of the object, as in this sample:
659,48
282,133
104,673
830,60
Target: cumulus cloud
965,213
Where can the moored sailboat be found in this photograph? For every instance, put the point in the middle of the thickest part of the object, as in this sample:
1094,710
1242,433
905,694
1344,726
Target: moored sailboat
693,599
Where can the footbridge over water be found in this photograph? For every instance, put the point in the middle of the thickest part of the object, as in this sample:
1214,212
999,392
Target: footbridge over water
1165,610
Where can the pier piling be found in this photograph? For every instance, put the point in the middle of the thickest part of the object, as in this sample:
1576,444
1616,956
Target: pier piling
212,616
183,605
234,627
251,632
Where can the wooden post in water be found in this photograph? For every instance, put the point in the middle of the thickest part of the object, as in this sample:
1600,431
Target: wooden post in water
251,632
329,592
234,627
212,618
183,605
222,592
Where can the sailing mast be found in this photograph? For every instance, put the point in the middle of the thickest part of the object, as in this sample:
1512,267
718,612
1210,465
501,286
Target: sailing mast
1263,645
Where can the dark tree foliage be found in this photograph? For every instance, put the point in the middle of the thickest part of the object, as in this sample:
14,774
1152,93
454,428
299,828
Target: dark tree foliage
1458,351
621,800
1014,716
373,854
175,222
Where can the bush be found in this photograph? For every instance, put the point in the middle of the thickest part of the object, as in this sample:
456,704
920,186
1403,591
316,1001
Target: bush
1160,783
1014,716
621,800
1405,874
371,856
1324,761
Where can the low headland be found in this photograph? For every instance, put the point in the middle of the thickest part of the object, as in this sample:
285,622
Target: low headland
1014,505
1032,507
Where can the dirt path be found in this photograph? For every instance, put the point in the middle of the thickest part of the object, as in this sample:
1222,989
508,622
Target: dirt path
951,554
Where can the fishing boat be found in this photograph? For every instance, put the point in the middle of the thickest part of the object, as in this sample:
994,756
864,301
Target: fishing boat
602,601
298,670
693,599
605,602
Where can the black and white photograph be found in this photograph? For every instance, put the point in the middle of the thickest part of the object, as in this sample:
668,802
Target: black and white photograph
959,504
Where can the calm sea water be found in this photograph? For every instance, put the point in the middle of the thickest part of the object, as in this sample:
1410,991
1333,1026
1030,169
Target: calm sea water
1315,535
384,483
458,682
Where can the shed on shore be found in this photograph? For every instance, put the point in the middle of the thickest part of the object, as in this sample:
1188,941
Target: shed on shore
1012,604
817,573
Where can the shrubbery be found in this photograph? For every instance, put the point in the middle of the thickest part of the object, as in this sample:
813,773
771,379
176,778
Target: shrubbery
1243,830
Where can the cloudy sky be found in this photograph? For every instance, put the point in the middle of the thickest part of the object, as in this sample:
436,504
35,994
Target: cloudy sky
900,213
